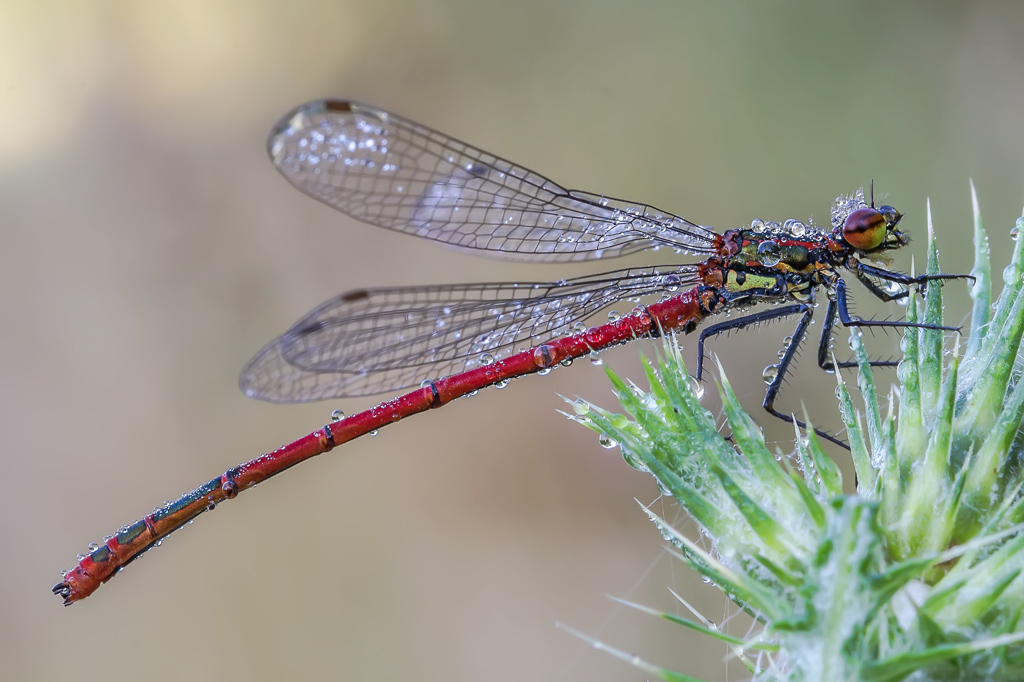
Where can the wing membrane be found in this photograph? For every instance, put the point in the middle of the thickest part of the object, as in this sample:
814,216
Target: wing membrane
376,340
388,171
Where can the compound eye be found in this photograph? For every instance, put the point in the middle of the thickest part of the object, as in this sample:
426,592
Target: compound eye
891,215
865,229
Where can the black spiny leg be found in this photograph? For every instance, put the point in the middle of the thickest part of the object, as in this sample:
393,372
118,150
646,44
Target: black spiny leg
849,321
805,311
742,323
776,383
862,271
825,358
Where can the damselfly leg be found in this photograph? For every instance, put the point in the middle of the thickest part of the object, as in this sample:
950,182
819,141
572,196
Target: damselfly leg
838,309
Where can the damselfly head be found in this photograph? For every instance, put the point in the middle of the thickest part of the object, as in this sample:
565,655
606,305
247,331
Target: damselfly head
870,229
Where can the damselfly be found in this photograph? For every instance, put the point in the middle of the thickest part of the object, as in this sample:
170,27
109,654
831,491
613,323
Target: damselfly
453,340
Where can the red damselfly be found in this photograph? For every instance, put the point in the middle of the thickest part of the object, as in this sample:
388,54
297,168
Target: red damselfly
388,171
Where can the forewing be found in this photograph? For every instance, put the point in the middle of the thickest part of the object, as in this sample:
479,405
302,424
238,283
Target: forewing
388,171
376,340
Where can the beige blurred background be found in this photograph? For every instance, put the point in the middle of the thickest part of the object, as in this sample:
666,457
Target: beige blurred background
148,249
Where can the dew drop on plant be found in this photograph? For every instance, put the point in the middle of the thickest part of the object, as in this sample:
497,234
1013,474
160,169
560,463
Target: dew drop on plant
486,359
501,384
1008,274
580,406
902,370
426,383
579,328
595,358
1014,233
566,362
337,416
757,225
614,316
697,387
855,342
93,546
769,373
787,342
607,443
374,432
542,372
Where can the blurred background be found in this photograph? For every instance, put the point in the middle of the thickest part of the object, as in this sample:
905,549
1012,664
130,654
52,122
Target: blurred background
149,248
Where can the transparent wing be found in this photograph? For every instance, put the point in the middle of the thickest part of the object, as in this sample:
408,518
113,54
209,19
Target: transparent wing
388,171
376,340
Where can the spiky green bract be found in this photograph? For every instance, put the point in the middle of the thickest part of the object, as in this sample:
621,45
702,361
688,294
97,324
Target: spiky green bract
920,574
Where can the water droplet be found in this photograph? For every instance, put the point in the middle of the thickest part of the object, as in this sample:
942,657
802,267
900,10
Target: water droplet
607,443
595,358
855,342
426,383
93,546
614,316
337,416
787,342
839,391
795,228
1014,233
769,253
80,556
374,432
580,406
670,282
782,353
902,371
542,372
501,384
566,362
697,388
769,373
892,288
486,359
757,225
579,328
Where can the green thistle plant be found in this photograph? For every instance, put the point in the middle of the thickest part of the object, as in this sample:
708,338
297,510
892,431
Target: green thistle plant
915,577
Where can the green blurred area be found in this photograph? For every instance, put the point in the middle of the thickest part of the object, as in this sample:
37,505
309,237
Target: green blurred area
149,248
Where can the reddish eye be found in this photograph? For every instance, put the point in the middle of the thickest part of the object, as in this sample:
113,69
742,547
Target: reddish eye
864,229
